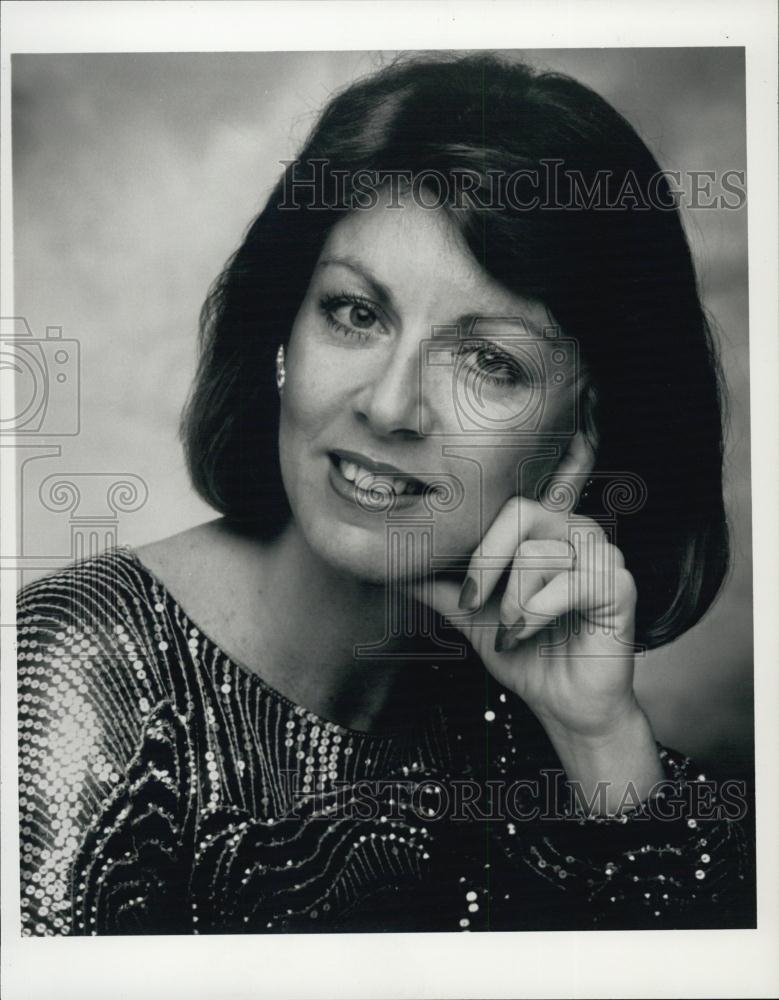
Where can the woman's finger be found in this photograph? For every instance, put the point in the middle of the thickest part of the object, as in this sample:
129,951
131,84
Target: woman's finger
536,562
589,562
587,565
607,599
518,520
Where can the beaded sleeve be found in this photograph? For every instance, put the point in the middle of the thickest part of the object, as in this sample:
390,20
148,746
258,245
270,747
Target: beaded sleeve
680,859
81,712
78,724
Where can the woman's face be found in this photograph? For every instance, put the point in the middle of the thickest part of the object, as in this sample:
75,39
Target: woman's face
420,395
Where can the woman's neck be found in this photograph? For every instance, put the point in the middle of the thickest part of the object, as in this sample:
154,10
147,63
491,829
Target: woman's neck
312,620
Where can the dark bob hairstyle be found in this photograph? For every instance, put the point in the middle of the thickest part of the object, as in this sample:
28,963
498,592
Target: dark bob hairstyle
605,251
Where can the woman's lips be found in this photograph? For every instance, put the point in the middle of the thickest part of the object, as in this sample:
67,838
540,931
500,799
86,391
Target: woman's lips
361,467
362,470
370,484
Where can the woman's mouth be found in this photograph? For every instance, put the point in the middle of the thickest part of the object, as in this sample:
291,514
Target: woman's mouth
372,484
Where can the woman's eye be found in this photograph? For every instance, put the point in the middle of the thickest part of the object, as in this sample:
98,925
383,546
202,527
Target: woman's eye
490,363
361,317
350,315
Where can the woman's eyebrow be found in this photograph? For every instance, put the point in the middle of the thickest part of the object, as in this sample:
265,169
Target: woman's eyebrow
382,293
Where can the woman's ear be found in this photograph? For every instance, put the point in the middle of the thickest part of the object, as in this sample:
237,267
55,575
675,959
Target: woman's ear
572,470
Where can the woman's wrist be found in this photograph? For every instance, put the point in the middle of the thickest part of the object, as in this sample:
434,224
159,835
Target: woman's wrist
611,770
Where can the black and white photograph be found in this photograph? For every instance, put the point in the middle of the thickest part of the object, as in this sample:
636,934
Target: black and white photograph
380,447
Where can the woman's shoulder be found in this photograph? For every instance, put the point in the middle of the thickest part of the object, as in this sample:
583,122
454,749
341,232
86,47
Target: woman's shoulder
91,588
118,583
98,646
73,626
177,561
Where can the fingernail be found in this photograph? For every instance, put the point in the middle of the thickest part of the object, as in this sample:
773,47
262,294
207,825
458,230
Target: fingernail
516,631
507,638
467,600
501,639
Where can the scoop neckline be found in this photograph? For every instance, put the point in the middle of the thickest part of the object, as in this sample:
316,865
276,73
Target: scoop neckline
413,733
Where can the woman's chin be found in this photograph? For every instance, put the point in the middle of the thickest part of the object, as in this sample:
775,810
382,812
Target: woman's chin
370,560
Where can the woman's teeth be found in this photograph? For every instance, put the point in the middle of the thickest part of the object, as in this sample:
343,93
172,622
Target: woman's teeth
366,480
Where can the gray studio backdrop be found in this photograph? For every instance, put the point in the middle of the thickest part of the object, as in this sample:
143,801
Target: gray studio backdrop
134,178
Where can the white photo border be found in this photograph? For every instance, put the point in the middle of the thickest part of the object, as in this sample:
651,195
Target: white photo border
732,963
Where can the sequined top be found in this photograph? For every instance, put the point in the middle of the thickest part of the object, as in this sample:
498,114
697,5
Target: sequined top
165,788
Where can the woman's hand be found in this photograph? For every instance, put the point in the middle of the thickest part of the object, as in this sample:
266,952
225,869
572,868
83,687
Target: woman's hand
560,635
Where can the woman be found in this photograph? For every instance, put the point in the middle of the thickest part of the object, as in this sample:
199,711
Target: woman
458,408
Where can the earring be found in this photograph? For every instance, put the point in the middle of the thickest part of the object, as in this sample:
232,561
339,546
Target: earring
281,371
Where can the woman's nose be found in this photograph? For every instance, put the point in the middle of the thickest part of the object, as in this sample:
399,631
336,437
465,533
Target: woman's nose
392,402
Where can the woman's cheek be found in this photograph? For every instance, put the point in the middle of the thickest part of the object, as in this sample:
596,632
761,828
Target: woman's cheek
511,473
311,391
479,492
